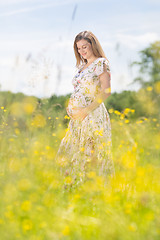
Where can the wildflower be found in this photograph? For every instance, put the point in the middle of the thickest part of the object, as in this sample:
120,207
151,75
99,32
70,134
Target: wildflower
122,116
91,174
82,149
39,120
154,119
66,231
126,111
28,108
27,225
68,180
117,112
149,88
132,227
66,129
66,117
126,121
26,206
47,147
17,131
111,110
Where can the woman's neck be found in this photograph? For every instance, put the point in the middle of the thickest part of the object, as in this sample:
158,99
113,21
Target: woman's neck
90,60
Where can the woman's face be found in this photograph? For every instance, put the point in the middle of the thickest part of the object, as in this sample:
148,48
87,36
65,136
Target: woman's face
84,49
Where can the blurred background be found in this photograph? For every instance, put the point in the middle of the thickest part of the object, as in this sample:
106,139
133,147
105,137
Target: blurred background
36,41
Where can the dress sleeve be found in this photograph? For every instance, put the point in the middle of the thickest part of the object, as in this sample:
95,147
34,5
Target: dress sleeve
101,66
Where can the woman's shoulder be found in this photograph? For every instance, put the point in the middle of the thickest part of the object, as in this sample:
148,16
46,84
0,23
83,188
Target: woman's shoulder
101,65
102,60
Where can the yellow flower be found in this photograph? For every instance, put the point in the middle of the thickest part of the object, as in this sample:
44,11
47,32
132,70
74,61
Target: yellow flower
82,149
66,117
111,110
149,88
47,147
28,108
2,107
26,206
66,231
68,180
126,111
132,227
17,131
88,160
101,132
39,120
100,147
117,112
122,116
154,119
126,121
27,225
91,174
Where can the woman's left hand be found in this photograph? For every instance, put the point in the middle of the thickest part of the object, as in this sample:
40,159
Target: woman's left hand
79,113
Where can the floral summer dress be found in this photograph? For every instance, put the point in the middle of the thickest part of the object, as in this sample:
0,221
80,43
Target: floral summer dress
89,137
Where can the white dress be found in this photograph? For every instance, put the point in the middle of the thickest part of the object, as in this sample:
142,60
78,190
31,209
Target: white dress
90,136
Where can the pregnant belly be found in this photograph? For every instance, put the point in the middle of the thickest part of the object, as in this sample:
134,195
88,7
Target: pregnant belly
76,100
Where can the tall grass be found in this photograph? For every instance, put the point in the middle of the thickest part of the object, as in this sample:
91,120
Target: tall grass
34,204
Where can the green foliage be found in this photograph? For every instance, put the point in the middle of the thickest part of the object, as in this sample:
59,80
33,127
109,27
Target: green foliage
149,65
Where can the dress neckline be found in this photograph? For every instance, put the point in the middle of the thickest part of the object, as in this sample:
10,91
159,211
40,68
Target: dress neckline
80,71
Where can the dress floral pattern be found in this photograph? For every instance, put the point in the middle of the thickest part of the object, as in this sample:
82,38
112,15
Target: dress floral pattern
89,137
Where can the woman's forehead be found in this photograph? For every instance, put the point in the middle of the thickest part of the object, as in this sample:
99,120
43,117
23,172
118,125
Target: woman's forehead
81,42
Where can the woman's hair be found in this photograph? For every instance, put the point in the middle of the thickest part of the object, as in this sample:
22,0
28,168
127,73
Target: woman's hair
96,46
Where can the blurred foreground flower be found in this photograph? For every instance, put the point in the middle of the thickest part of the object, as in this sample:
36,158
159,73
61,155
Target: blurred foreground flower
39,120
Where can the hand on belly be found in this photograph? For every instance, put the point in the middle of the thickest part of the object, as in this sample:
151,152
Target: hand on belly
77,113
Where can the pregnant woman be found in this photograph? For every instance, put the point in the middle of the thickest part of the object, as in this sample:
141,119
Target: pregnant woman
86,146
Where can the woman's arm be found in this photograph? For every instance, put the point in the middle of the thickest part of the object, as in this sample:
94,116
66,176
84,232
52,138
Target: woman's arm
105,92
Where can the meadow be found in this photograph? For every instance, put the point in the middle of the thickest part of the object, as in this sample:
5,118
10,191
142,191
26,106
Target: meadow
34,205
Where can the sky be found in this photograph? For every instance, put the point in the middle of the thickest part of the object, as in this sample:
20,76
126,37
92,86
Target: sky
36,41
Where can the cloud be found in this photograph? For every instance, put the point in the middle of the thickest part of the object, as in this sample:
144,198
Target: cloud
136,41
38,5
33,8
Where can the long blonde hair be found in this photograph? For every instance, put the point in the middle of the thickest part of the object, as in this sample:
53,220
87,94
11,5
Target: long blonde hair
96,46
